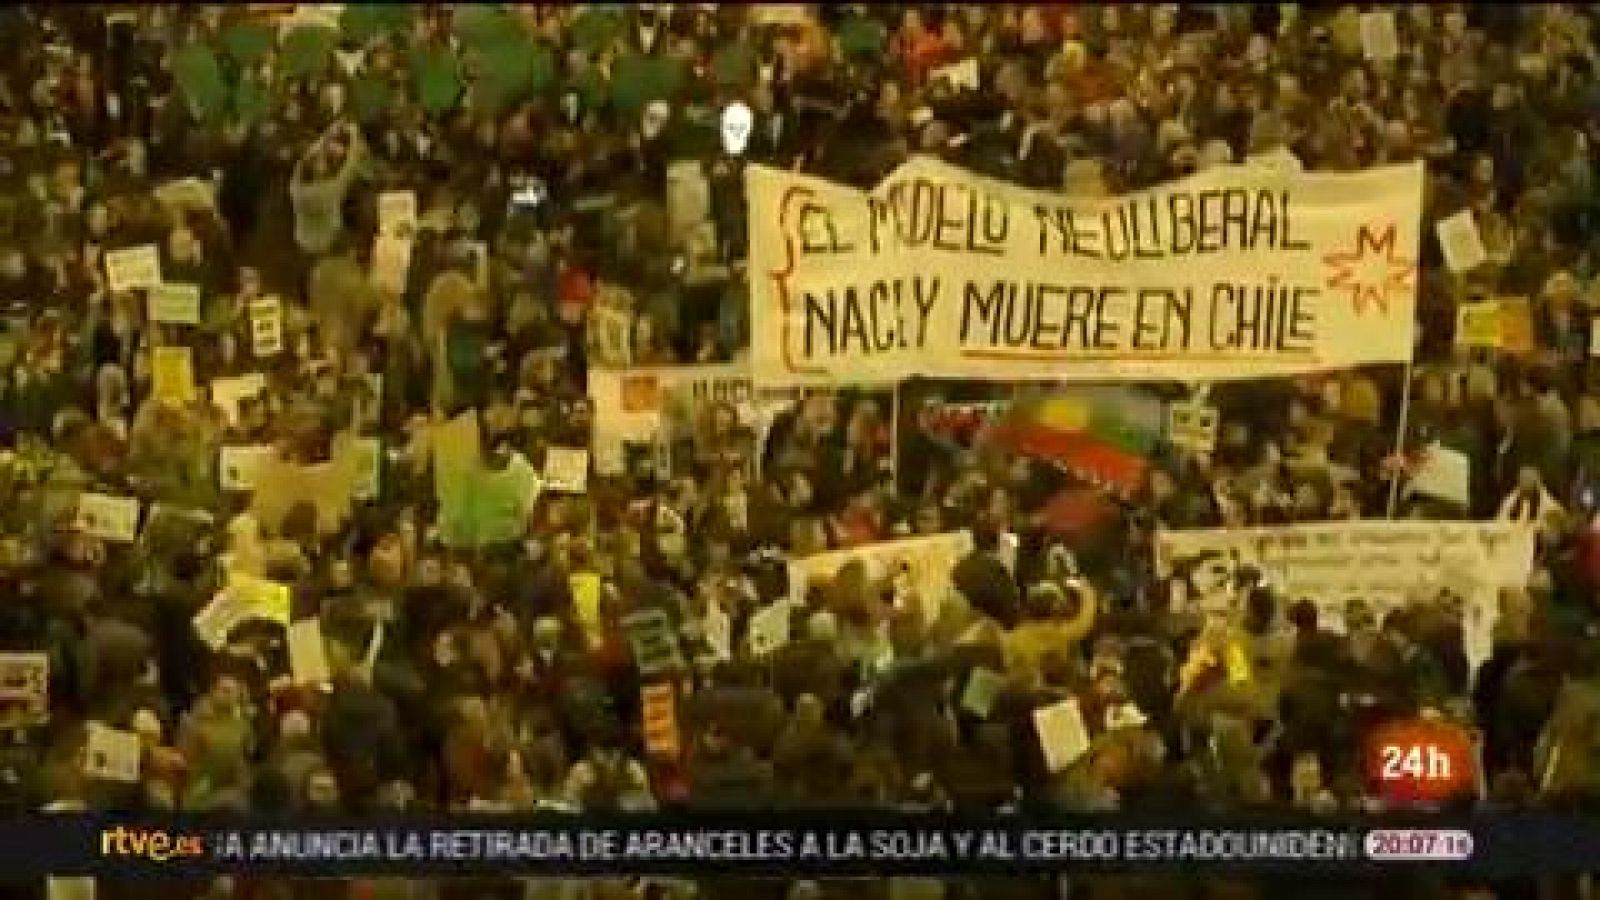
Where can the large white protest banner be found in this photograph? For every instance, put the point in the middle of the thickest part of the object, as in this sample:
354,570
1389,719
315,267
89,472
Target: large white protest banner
1342,566
1236,272
919,566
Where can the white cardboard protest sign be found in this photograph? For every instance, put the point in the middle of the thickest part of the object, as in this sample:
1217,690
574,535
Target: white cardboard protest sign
781,14
1385,565
1192,426
391,262
1443,473
718,628
983,686
226,393
175,304
24,689
308,654
108,517
566,469
961,75
185,194
1235,272
112,754
1460,242
768,628
133,268
1380,40
610,335
217,619
397,213
266,327
237,465
1062,734
926,562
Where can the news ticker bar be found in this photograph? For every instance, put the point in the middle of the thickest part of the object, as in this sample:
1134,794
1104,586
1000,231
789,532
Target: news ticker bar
777,844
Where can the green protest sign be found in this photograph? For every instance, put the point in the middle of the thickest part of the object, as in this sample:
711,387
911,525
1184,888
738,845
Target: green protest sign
438,78
595,29
364,21
248,43
307,50
199,76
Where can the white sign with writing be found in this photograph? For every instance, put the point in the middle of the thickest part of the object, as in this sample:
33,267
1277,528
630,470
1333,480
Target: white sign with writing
397,213
308,654
1460,242
1192,426
112,754
1341,566
133,268
266,327
566,469
108,517
237,466
175,304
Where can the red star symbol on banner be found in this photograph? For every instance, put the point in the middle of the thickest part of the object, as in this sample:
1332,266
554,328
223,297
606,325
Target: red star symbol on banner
1371,270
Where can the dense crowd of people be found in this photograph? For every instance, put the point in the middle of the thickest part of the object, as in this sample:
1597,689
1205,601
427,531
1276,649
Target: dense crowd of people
545,147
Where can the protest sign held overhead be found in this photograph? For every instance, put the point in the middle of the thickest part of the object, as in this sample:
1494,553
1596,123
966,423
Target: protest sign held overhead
1238,272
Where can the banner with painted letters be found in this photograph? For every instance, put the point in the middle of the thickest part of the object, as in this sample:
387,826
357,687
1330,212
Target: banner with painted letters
1344,566
1237,272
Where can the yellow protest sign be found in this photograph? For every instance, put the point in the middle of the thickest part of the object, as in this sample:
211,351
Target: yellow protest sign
1478,324
585,587
172,374
1516,326
262,599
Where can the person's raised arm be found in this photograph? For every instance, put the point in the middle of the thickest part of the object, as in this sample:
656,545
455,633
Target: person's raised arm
1083,618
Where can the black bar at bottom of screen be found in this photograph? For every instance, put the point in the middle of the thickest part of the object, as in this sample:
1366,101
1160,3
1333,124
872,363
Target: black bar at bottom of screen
807,845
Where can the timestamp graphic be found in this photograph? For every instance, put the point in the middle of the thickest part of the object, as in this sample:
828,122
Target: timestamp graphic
1418,845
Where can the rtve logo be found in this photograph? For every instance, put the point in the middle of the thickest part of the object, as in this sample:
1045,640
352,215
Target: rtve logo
153,844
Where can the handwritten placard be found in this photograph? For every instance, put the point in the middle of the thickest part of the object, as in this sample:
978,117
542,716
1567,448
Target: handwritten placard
172,375
266,327
237,465
112,754
658,716
566,469
654,644
1062,734
769,628
133,268
1380,40
397,213
1192,426
1460,242
308,653
108,517
175,304
24,689
391,262
1478,325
